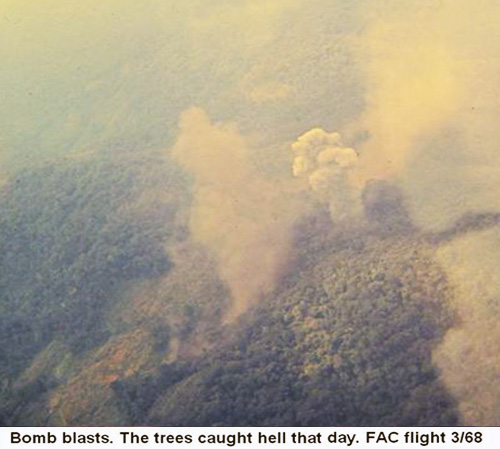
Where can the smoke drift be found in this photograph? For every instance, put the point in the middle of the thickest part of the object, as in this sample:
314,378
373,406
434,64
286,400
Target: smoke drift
242,217
429,71
468,356
432,84
433,113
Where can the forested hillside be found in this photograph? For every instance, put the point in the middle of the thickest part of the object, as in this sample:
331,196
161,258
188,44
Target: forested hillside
234,212
72,234
347,341
113,315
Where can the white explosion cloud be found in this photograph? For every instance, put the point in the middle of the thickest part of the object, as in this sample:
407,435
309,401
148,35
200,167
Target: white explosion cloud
328,166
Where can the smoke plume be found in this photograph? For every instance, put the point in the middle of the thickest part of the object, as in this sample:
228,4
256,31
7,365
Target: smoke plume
327,164
242,217
432,72
468,357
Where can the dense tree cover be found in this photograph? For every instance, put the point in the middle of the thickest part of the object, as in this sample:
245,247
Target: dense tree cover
112,315
349,343
69,235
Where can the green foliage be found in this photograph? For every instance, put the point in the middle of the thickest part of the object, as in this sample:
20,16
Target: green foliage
68,238
92,307
349,343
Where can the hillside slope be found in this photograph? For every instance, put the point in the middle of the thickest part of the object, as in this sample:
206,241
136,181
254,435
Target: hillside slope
112,315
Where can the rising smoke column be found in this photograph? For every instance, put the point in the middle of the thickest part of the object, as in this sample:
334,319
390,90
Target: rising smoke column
328,165
243,217
432,72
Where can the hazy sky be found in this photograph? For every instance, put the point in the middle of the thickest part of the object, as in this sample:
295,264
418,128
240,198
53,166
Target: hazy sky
412,85
86,75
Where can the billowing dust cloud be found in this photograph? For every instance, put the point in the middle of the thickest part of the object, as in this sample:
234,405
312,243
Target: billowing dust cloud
432,73
328,165
242,217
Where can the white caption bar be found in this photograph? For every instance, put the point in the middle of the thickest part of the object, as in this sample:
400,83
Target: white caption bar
250,437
